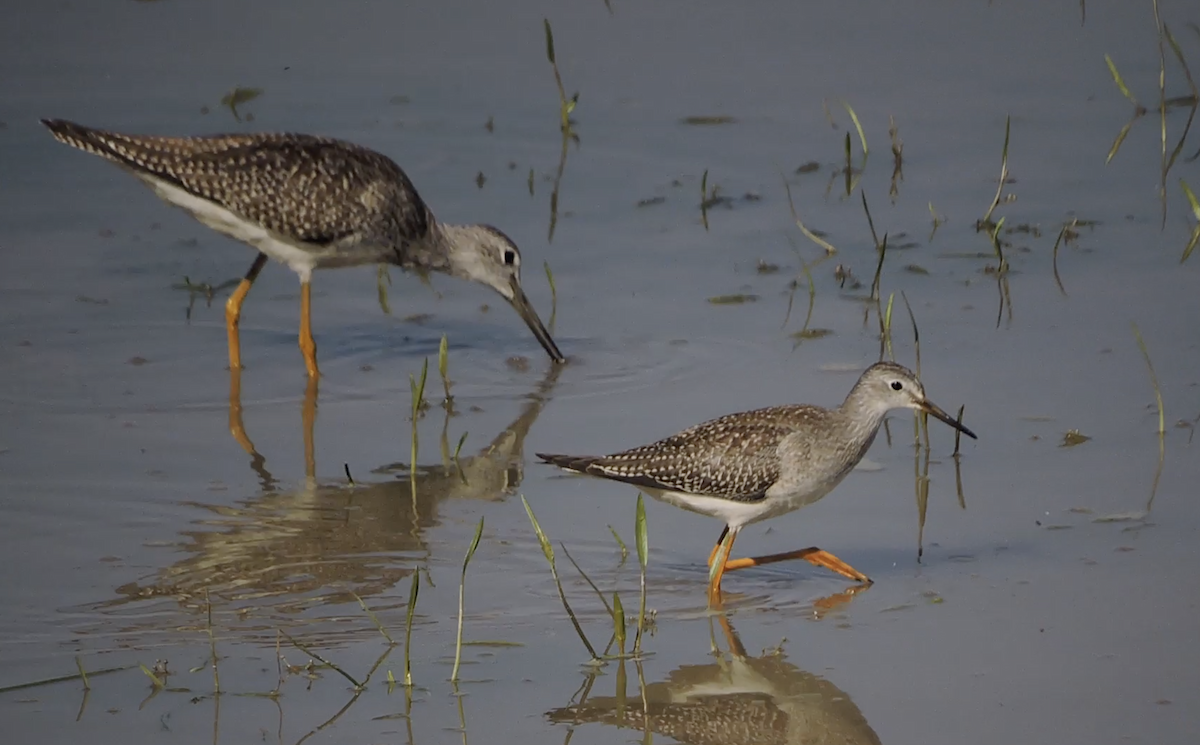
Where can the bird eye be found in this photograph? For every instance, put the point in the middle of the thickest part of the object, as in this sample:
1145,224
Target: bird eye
897,385
510,257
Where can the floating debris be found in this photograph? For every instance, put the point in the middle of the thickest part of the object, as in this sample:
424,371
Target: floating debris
1072,438
1121,517
707,121
239,96
733,299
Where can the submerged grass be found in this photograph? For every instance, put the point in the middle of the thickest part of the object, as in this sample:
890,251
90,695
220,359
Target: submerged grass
937,221
374,618
1162,429
553,294
212,643
897,159
308,651
1063,234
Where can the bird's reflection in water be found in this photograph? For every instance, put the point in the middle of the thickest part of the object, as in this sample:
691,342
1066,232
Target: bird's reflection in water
736,700
288,550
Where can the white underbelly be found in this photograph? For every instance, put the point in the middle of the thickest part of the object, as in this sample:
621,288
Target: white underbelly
301,257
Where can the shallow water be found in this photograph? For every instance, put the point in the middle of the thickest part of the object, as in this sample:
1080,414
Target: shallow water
1057,605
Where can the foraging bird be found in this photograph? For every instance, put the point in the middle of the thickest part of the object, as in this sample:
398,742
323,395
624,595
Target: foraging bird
311,203
759,464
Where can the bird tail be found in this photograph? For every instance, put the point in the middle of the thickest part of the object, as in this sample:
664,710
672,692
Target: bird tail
85,138
576,463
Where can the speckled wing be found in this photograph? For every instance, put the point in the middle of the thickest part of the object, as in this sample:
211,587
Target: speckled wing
734,457
314,189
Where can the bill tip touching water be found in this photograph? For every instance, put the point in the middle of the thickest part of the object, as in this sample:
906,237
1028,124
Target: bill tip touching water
754,465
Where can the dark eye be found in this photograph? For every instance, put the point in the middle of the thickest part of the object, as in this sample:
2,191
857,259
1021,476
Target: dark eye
897,385
510,257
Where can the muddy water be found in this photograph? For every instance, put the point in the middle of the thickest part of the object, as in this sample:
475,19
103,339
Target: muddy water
1054,601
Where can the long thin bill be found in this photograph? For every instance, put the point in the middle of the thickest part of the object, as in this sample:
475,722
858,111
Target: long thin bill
525,310
935,410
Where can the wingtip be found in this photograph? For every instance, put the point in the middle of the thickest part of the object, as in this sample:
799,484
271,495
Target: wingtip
575,463
66,132
56,125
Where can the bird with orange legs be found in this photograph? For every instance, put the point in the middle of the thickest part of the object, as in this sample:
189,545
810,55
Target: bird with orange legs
753,465
310,203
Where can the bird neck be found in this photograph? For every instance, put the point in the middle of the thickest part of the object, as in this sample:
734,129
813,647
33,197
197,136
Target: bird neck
453,244
864,410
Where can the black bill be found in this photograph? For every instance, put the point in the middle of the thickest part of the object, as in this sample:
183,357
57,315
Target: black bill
931,408
525,310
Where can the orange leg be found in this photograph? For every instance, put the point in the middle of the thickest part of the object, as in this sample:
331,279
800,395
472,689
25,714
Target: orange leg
233,310
720,563
812,555
713,556
307,345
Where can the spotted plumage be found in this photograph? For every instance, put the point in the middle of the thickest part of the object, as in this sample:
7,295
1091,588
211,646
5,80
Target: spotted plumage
311,203
754,465
314,189
734,457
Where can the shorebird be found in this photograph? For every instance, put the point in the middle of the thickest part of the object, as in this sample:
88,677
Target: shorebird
311,203
754,465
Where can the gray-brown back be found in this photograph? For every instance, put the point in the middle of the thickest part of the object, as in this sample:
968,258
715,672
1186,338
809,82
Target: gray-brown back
735,457
312,189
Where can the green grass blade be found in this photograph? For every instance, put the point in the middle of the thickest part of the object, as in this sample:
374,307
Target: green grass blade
1195,204
621,543
408,624
462,592
643,545
829,248
618,615
1116,76
1112,151
417,386
444,366
1191,196
547,549
862,137
549,41
1191,246
157,681
643,550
